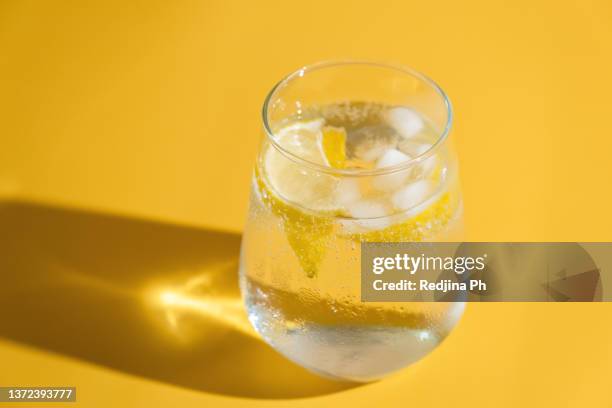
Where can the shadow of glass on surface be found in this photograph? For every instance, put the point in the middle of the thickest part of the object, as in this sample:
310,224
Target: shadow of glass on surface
150,299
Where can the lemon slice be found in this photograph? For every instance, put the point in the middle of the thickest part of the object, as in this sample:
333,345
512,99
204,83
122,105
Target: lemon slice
307,234
302,197
333,143
298,183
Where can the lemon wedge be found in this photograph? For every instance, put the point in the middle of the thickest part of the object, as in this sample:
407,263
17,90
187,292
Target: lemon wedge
308,234
333,143
301,196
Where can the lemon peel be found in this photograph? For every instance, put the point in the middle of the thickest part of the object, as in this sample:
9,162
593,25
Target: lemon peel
333,143
307,234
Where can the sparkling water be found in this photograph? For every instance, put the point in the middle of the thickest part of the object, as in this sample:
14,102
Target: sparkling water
329,179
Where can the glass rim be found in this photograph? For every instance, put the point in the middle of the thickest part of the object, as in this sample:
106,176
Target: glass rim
300,72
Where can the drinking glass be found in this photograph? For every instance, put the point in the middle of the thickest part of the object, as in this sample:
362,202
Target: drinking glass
352,152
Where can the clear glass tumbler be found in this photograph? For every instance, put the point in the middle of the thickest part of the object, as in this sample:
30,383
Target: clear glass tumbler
353,152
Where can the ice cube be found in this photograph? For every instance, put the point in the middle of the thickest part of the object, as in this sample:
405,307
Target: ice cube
347,191
391,157
405,121
366,209
368,143
427,165
374,153
411,195
416,149
413,148
369,215
388,182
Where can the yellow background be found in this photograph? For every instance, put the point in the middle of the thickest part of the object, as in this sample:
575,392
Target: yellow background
151,110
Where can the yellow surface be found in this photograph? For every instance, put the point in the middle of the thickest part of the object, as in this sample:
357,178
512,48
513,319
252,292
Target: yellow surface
150,110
